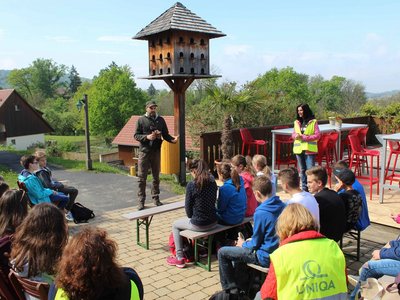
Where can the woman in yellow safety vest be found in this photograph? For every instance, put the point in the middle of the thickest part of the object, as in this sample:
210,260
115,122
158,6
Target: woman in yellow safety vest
307,265
88,270
305,135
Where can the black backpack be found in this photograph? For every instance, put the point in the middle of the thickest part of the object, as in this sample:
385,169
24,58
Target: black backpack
81,213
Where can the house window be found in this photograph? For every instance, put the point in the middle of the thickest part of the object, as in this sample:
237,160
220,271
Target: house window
13,141
17,107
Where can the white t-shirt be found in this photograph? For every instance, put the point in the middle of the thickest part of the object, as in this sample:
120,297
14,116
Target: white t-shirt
308,201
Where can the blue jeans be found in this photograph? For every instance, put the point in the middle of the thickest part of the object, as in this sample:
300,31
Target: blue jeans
60,199
376,269
232,262
305,162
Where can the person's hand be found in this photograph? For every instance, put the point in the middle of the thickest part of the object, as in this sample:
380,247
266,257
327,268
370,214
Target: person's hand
337,187
375,255
54,192
239,242
152,136
297,136
175,140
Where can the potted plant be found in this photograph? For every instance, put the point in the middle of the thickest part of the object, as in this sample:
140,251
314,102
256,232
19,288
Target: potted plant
332,121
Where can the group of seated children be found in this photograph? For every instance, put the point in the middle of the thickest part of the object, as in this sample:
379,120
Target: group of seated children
35,245
236,199
41,187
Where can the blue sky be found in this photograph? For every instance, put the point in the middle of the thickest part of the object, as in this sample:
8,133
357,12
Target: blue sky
357,39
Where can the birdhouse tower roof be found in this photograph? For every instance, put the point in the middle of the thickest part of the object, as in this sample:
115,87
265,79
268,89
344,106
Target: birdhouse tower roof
178,17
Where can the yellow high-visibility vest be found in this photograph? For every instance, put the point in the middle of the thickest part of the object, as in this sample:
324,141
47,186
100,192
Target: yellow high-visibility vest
60,295
310,269
299,145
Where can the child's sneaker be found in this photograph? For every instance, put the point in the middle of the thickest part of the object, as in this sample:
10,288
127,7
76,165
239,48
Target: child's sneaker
173,261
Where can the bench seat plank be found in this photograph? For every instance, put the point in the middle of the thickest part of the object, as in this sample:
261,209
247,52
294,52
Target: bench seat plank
144,217
197,235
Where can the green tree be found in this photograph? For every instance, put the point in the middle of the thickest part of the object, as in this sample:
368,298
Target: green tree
279,91
40,81
113,99
74,80
61,117
151,91
20,79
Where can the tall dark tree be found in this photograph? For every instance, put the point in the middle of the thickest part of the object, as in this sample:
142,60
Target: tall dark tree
74,80
151,91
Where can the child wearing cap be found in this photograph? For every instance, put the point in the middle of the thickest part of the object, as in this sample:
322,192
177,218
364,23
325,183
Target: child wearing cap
352,199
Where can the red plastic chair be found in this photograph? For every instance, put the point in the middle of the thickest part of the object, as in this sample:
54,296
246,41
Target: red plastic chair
284,149
324,155
358,154
248,140
394,150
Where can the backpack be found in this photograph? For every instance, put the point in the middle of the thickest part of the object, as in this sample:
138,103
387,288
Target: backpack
81,213
188,250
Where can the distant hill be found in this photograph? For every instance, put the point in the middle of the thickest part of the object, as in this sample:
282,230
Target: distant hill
4,74
3,78
381,95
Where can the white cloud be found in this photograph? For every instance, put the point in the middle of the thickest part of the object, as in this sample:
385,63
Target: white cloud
115,38
236,50
1,33
101,52
62,39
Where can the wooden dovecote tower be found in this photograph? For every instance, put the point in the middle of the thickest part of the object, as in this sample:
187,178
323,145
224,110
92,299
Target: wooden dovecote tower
179,53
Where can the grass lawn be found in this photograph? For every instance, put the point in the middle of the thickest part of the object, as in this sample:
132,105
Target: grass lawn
9,176
97,144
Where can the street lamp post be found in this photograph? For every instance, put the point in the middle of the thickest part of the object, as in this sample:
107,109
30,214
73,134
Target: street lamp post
79,104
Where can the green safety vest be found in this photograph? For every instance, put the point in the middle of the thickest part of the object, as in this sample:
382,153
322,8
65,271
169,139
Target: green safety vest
134,293
300,146
310,269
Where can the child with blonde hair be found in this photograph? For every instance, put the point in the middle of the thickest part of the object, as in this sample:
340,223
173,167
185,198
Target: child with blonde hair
261,168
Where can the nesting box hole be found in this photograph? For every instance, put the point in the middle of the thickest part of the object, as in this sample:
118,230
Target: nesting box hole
161,57
202,56
192,70
202,71
168,40
181,70
192,41
180,40
168,56
160,72
153,58
160,42
169,71
191,56
152,44
154,72
202,43
180,54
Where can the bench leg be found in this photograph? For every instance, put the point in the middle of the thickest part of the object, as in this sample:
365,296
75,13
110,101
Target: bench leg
146,222
209,253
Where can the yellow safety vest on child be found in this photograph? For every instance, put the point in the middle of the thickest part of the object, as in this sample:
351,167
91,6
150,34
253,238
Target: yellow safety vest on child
298,145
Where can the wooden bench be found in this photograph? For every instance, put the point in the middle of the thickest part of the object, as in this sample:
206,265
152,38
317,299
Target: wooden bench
145,216
263,270
199,235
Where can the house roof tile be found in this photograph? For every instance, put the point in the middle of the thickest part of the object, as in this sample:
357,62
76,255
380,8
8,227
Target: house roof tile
125,136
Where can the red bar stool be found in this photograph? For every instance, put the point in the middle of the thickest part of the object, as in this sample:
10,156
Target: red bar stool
248,140
358,154
284,149
333,137
394,150
362,136
324,155
345,143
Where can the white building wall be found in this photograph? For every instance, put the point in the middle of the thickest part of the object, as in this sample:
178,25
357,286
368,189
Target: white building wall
23,142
